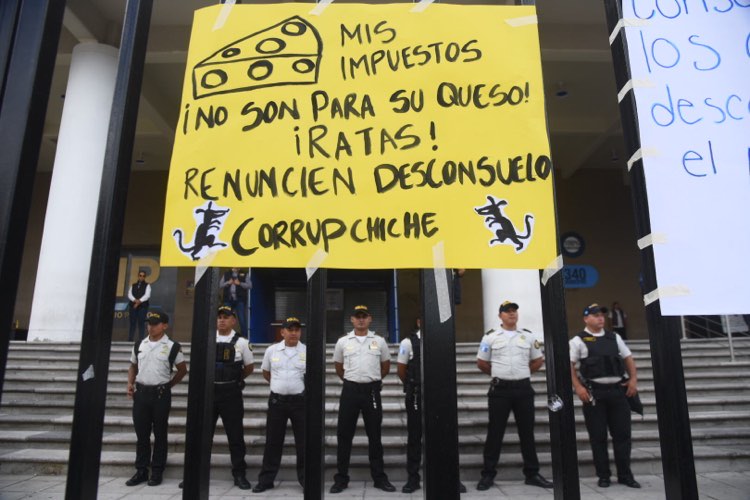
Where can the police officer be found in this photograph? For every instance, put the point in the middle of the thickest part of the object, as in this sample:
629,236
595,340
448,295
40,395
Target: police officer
362,360
284,367
510,356
150,381
604,359
138,295
234,362
235,285
410,373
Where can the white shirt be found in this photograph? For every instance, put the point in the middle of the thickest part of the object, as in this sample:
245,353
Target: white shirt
405,350
153,361
146,294
287,367
618,318
509,352
578,351
242,351
361,356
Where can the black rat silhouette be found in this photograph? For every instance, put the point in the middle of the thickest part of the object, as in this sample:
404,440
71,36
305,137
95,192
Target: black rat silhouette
494,216
212,220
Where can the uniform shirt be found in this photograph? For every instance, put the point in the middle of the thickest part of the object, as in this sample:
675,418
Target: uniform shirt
153,363
405,350
287,367
361,356
578,351
509,352
242,350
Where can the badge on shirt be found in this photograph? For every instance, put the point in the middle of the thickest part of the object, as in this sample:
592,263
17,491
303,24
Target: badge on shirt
164,349
302,356
374,346
484,347
589,339
275,359
522,341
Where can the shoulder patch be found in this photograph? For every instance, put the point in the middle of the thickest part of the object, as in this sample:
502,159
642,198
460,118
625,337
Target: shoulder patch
537,344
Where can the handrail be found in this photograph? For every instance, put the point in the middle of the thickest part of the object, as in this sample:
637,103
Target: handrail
709,327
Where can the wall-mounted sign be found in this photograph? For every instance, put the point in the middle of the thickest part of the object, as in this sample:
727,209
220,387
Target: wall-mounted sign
572,244
366,137
580,276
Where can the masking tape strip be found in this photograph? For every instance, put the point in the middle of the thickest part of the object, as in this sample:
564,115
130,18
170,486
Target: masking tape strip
553,268
226,9
515,22
631,85
88,374
320,7
625,23
441,282
652,239
421,6
203,265
315,261
664,292
640,154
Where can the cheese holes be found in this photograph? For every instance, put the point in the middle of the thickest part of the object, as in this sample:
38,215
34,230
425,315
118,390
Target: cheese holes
303,65
293,28
230,52
214,78
270,46
260,70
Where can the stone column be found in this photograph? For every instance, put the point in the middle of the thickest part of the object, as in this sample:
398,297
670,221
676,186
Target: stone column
521,286
62,276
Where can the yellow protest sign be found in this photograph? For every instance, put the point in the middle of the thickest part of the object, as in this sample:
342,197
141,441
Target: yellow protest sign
382,137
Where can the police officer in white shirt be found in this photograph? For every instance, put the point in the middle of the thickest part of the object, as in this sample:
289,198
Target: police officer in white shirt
510,356
284,367
150,381
604,359
362,359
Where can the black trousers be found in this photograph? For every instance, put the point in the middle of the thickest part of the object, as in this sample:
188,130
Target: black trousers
229,406
516,396
610,410
281,409
414,431
137,318
151,406
356,398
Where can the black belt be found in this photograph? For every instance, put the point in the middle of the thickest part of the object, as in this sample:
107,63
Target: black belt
498,382
151,388
367,386
596,385
288,397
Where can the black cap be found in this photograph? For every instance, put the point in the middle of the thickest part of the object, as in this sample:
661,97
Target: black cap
360,310
291,322
593,309
225,311
156,317
507,306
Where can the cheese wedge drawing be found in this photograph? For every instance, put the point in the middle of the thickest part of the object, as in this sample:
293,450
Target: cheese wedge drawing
287,53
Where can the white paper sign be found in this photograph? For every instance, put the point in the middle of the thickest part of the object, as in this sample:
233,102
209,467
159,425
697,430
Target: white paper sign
692,64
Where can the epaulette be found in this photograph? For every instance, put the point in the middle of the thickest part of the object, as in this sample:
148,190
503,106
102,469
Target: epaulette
491,330
525,330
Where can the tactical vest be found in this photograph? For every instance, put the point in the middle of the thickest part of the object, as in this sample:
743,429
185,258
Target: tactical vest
414,366
239,292
604,356
139,290
227,369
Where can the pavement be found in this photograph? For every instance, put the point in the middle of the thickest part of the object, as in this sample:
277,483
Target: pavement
714,485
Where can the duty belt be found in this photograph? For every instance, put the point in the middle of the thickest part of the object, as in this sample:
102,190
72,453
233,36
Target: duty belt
288,397
596,385
498,382
367,386
151,388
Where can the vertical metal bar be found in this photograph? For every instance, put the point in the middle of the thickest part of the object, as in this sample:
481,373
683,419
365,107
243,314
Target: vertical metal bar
682,327
557,363
315,386
198,431
439,400
93,365
22,112
8,17
729,336
677,459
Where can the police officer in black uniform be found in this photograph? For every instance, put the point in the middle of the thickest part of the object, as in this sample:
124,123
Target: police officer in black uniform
150,382
604,360
138,296
234,362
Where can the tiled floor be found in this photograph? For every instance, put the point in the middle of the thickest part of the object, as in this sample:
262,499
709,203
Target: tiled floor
719,486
